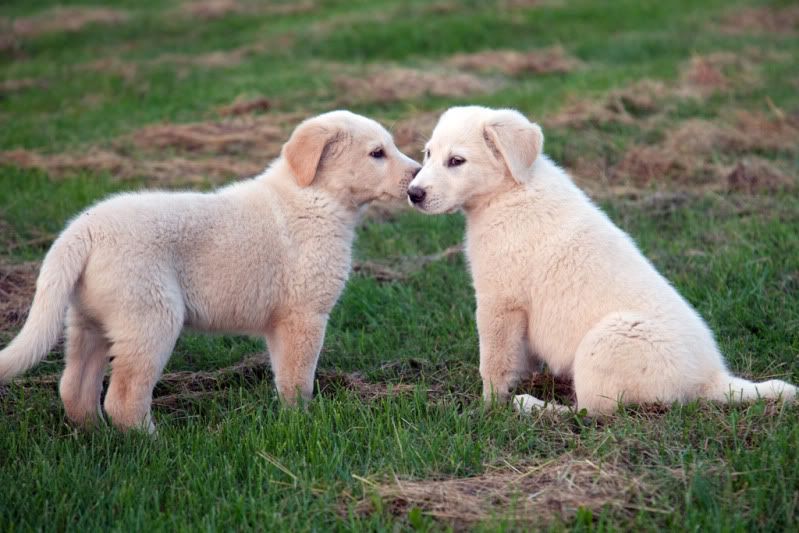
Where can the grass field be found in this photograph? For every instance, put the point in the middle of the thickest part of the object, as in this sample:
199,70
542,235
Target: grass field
680,118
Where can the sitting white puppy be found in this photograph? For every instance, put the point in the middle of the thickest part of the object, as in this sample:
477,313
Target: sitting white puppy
268,256
556,280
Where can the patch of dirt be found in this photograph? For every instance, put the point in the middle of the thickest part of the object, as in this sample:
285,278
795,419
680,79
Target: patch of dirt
532,493
548,387
66,19
396,84
762,20
17,285
515,63
171,171
244,106
405,267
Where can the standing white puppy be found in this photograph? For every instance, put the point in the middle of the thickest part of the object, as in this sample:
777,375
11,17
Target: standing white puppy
557,281
266,256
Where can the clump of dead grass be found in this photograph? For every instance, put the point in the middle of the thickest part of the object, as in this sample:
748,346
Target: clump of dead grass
214,9
244,106
762,20
112,65
175,389
624,106
405,267
531,493
244,135
515,63
170,171
694,151
12,86
211,9
411,133
701,77
174,154
66,19
755,175
396,84
17,285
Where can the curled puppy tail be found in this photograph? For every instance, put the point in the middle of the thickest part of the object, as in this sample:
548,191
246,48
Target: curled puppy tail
61,269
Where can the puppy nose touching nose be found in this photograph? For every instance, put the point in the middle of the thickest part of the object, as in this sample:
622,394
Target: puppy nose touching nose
416,194
415,171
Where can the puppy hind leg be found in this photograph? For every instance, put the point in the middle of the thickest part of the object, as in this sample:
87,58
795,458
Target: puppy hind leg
627,358
86,355
137,365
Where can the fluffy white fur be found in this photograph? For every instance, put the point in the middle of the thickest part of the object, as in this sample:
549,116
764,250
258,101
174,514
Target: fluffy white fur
266,256
558,282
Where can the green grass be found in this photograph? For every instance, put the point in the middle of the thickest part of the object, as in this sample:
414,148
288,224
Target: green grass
234,458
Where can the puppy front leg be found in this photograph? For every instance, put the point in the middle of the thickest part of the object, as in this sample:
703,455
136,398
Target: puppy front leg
501,330
294,343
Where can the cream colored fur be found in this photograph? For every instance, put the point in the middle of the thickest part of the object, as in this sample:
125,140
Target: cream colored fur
266,256
556,281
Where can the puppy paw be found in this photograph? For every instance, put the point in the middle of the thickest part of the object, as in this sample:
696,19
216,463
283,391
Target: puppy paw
524,403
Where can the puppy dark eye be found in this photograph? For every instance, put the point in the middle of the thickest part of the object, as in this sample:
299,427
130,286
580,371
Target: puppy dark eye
378,153
427,154
455,161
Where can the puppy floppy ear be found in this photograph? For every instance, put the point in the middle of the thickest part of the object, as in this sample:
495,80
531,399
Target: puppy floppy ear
515,141
304,149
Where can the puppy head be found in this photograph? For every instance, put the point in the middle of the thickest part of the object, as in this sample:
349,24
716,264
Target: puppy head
474,152
349,155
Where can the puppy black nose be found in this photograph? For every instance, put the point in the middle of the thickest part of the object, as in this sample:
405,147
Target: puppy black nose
416,194
415,172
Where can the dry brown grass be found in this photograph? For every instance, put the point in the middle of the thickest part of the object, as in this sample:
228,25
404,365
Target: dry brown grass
410,134
754,175
623,106
174,154
257,137
112,65
244,106
214,9
694,153
171,171
394,84
515,63
66,19
701,76
762,20
405,267
175,389
12,86
527,494
211,9
17,285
